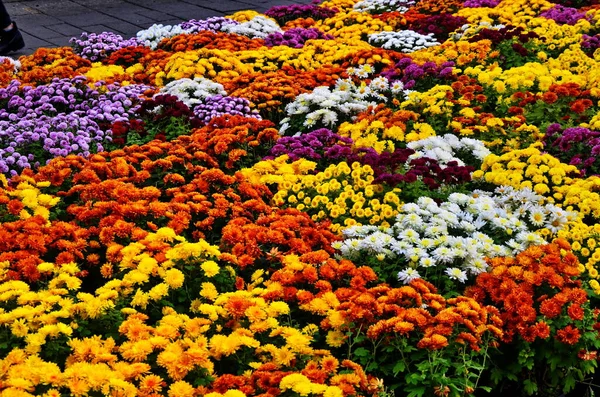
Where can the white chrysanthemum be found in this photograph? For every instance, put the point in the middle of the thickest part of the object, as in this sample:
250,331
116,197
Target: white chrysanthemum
455,273
412,220
408,275
258,27
426,243
397,87
477,266
380,84
192,92
327,107
464,230
381,6
426,261
443,254
409,235
406,41
157,32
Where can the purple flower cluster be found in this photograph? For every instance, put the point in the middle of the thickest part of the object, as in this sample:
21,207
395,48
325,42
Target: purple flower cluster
213,24
282,14
415,76
219,105
61,118
563,15
590,44
321,144
481,3
295,37
97,47
577,146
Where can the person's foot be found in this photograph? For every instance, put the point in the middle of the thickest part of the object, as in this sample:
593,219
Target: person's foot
11,40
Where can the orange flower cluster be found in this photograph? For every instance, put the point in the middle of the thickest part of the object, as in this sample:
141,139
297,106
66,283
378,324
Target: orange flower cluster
119,196
377,58
533,289
433,7
7,72
27,243
463,53
232,141
418,308
338,291
387,116
305,23
283,232
270,92
318,272
46,64
210,40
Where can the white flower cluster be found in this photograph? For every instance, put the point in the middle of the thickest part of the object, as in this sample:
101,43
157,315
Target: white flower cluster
468,30
192,92
446,148
16,64
381,6
403,41
324,106
155,33
458,234
259,26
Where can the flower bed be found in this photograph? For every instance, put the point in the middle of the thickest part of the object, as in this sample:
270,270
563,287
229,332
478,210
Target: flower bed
351,198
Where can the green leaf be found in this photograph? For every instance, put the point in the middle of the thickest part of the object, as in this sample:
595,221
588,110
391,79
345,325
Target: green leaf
569,383
417,391
399,367
530,387
361,352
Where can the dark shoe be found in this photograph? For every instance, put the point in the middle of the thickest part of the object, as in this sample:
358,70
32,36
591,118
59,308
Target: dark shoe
11,41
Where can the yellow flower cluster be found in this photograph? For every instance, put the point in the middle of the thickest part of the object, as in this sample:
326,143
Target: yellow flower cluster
431,102
594,123
271,59
228,393
528,168
345,194
524,77
28,192
508,12
559,35
585,242
300,384
343,5
352,25
278,171
461,52
202,63
245,15
100,72
581,194
373,134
